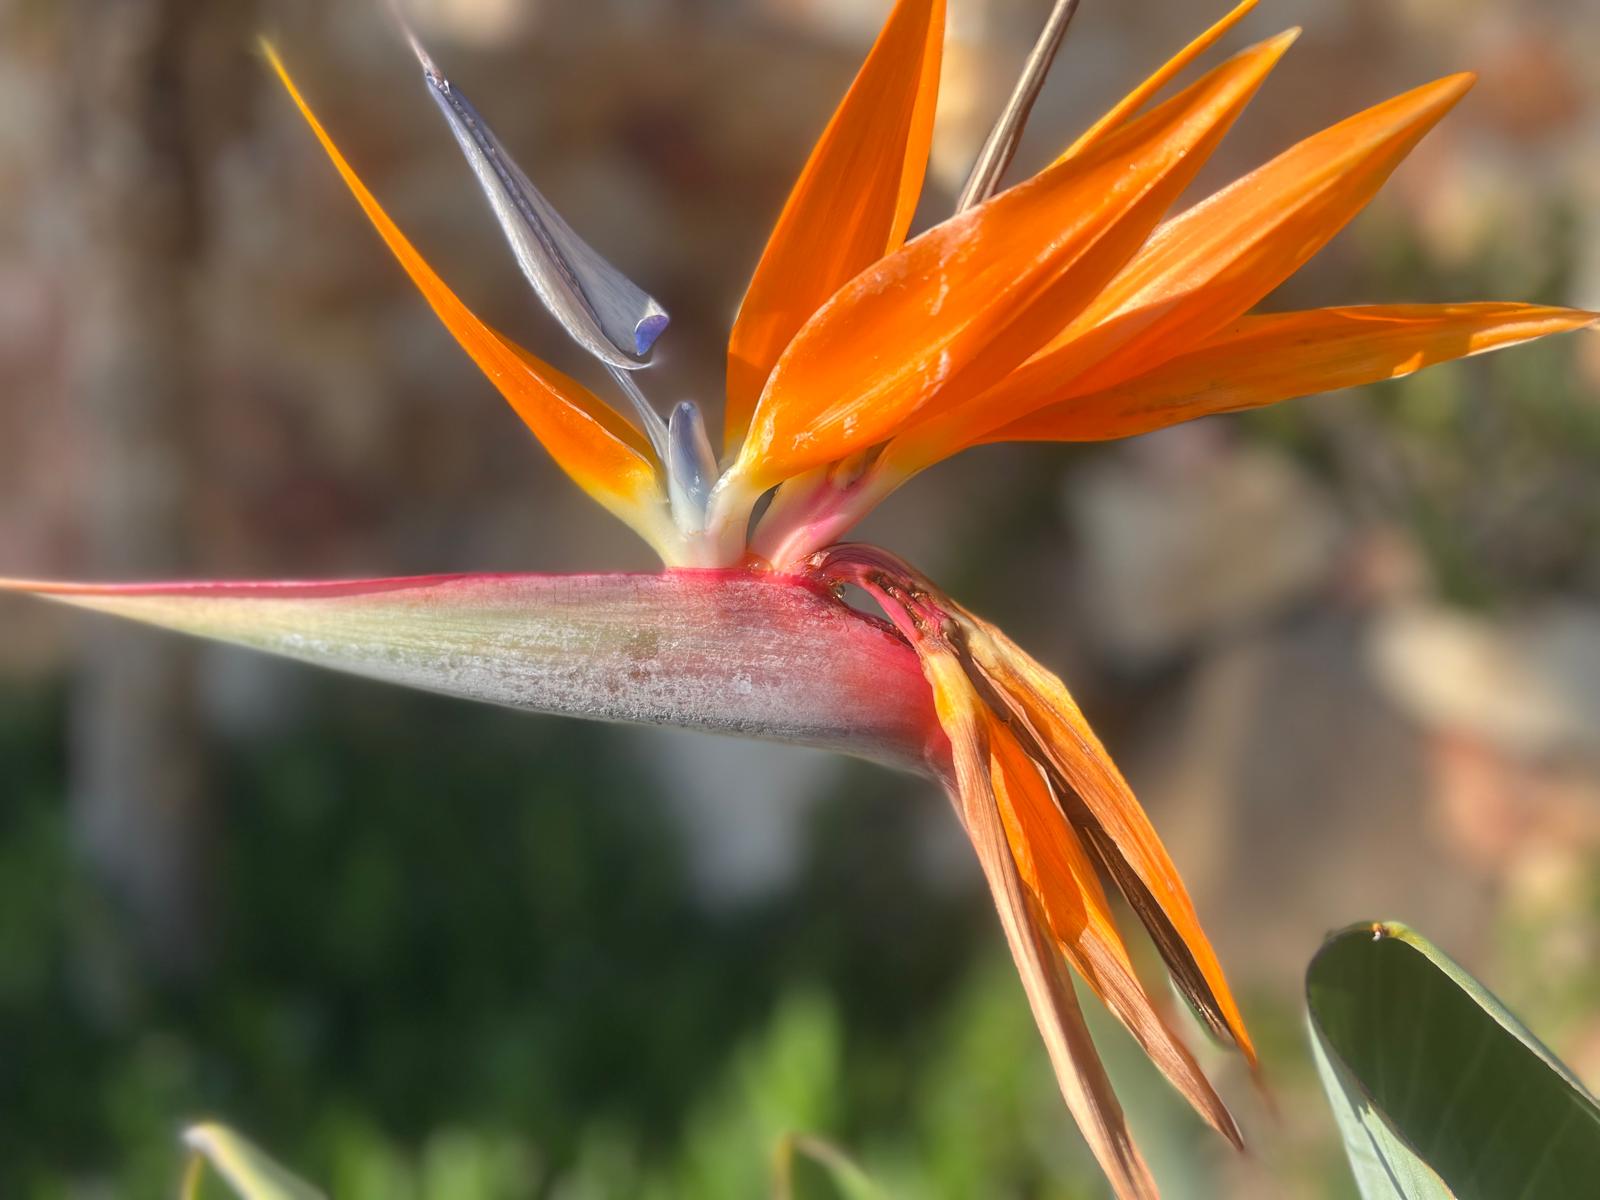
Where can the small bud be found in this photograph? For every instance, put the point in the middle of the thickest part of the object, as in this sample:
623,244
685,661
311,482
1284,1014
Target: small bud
691,467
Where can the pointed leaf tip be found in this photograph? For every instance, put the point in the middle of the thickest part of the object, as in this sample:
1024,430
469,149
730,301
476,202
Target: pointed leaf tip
1440,1091
247,1169
847,1176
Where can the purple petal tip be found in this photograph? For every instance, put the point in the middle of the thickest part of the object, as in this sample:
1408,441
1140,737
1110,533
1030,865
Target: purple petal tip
647,331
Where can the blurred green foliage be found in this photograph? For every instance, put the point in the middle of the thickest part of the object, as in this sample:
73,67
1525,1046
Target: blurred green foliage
472,965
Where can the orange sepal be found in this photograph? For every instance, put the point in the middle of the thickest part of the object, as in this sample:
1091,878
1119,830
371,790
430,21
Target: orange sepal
1122,112
1201,270
960,306
1261,360
851,205
589,441
1209,264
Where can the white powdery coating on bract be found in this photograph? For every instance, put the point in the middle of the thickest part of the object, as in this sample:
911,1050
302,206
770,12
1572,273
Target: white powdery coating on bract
723,653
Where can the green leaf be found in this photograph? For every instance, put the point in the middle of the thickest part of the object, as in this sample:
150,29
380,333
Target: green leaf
247,1169
842,1171
1439,1090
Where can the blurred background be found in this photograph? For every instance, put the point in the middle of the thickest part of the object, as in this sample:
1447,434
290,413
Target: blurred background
1348,650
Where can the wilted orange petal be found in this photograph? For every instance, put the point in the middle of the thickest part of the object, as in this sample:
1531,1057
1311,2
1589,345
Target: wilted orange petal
1202,269
1079,1073
1041,703
958,307
1263,359
1056,869
589,442
851,205
1124,109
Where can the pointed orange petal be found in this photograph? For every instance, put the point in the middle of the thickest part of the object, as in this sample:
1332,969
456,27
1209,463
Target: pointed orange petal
1125,108
1116,828
1202,269
958,307
586,439
851,205
1264,359
1081,1076
573,393
1056,869
1208,265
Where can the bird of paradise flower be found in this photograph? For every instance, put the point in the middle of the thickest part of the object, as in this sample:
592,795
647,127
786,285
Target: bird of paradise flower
1066,308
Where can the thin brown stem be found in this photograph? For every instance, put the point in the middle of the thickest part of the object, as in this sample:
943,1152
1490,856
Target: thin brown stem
1001,145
